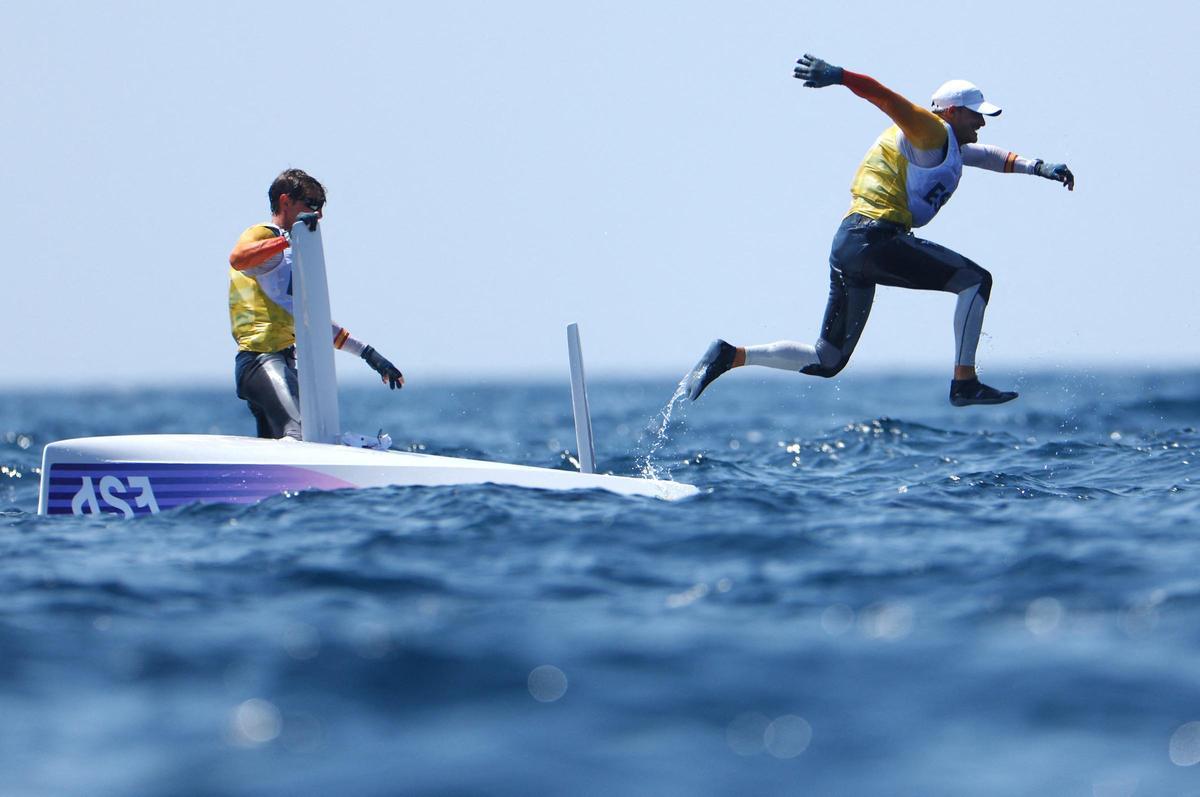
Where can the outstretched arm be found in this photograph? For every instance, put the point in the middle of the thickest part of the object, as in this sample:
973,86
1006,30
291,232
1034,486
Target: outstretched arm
391,374
922,127
985,156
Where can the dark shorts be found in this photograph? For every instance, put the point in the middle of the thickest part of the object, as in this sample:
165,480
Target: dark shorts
268,383
866,253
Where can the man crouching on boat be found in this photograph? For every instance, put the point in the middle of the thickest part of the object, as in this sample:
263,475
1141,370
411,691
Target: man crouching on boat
260,311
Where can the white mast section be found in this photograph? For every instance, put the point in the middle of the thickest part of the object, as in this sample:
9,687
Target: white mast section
314,335
579,402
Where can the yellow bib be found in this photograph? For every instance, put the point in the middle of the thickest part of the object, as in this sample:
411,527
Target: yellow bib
890,188
879,190
260,299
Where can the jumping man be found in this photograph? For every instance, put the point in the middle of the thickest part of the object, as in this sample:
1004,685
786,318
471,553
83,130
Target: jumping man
260,310
905,178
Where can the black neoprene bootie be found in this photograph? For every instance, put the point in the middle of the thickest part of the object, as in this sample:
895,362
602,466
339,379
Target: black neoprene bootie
964,392
716,360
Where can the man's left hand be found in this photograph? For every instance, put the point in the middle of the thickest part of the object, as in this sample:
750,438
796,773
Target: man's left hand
1057,171
390,373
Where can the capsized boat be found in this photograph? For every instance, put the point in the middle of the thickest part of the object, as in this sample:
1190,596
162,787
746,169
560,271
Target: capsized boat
134,475
144,474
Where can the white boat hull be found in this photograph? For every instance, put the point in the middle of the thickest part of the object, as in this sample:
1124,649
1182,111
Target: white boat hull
144,474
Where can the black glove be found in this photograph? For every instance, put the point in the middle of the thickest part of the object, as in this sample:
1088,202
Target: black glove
816,73
310,220
1055,171
390,373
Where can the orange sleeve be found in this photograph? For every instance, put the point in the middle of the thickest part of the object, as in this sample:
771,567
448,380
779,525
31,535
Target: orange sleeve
256,246
924,129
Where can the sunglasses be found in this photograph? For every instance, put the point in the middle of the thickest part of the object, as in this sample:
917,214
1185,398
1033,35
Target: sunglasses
314,204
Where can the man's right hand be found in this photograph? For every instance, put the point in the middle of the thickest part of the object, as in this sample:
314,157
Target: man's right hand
816,73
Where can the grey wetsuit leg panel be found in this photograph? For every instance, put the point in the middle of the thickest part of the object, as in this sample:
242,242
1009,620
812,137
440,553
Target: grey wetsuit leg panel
906,261
268,383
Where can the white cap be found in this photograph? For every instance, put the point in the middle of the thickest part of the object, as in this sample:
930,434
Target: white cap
962,94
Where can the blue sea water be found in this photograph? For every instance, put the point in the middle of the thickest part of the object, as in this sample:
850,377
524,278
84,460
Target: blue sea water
875,594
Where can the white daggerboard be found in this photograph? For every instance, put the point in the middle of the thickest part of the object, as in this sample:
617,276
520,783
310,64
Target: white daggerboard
314,337
579,403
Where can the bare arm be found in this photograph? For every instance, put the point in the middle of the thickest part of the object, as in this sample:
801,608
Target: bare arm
922,127
256,246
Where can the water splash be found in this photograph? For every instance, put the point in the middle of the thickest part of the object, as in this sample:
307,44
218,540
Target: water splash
656,432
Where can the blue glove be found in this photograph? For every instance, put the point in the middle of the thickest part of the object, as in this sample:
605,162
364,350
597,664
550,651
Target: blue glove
1055,171
816,73
390,373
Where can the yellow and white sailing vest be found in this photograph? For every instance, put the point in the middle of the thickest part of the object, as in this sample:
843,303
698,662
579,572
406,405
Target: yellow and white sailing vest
260,298
889,187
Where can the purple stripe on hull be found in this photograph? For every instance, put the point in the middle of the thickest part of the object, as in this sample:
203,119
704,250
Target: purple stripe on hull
230,477
131,488
60,488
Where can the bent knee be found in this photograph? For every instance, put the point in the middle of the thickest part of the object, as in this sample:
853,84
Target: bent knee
971,275
982,278
827,371
830,360
823,371
985,284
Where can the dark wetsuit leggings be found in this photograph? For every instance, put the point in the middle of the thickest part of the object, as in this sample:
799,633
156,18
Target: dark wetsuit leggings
268,383
867,253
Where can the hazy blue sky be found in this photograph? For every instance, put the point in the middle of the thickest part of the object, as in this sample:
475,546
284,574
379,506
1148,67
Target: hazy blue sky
649,169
